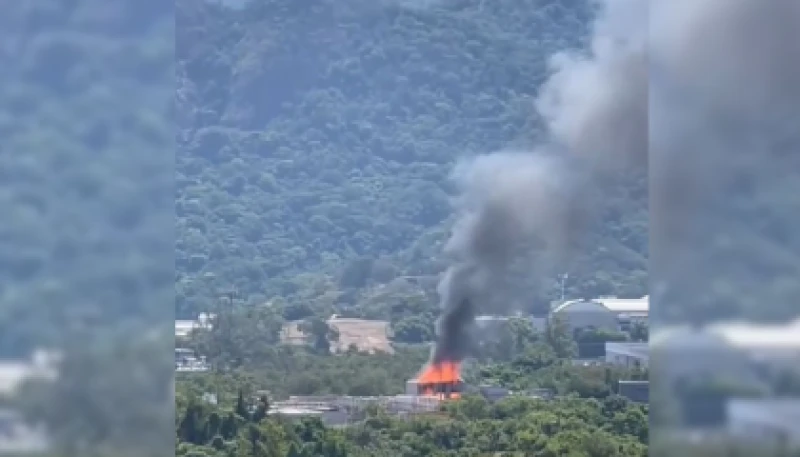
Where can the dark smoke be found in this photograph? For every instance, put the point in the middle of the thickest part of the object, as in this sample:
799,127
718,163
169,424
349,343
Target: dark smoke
506,199
595,106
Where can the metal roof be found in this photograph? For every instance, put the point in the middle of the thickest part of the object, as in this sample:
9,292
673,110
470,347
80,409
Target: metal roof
617,305
639,350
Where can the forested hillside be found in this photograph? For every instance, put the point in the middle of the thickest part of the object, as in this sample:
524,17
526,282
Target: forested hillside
86,238
86,168
317,138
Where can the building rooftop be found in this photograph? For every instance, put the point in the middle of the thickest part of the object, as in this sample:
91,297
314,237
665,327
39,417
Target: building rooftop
626,305
633,306
639,350
295,411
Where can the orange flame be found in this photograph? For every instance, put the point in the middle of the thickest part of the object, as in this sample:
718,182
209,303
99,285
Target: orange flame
445,372
440,379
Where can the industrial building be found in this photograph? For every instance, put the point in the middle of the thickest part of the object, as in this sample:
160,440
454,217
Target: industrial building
605,313
628,354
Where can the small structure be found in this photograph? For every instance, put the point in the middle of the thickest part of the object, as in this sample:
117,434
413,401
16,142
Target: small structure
636,391
441,389
494,393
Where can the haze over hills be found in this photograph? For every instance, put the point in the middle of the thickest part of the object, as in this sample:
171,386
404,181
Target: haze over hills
319,141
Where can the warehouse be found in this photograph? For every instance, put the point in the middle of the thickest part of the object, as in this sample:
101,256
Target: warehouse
606,313
626,354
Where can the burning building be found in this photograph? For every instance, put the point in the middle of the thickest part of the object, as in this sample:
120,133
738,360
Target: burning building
442,380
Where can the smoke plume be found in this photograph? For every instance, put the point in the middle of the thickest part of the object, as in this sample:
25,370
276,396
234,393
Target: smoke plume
724,142
595,108
506,199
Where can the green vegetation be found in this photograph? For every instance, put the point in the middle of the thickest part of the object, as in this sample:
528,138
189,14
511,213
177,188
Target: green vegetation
314,144
586,418
317,139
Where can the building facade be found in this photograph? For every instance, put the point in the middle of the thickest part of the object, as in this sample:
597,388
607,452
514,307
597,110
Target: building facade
610,314
627,354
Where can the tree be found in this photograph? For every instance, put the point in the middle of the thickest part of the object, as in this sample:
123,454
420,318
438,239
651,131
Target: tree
413,330
321,334
242,409
559,338
640,331
261,409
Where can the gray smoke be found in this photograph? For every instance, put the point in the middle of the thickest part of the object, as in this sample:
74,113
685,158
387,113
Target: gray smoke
595,102
724,143
595,107
506,199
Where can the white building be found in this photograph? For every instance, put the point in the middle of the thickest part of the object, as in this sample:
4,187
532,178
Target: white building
625,354
184,327
606,313
765,420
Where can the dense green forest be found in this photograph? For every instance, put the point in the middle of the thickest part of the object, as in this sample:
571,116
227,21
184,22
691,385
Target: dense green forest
317,138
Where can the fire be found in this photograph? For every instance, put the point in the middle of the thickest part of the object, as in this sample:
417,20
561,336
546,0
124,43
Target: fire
441,379
445,372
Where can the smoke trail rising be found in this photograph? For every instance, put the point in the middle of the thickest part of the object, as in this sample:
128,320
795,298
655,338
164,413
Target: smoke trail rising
724,143
595,104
